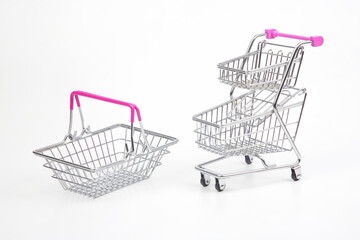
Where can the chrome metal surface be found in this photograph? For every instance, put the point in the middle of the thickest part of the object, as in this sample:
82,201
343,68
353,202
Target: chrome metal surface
99,162
269,66
202,168
249,124
264,162
266,118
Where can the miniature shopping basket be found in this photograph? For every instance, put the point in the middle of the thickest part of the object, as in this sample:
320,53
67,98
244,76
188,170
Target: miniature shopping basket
266,118
98,162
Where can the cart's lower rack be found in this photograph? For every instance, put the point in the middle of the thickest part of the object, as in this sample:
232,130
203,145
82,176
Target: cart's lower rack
220,184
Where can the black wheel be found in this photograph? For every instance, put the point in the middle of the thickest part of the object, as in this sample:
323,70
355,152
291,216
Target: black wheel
248,159
203,181
294,176
219,187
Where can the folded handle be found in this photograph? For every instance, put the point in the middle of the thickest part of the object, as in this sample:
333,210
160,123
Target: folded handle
76,94
317,41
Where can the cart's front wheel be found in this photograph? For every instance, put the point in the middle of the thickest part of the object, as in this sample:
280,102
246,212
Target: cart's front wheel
219,185
204,180
248,159
296,173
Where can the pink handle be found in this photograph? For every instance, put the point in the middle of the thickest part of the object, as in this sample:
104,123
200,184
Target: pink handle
133,107
317,41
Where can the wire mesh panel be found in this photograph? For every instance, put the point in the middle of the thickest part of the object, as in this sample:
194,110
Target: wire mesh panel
248,125
101,162
263,68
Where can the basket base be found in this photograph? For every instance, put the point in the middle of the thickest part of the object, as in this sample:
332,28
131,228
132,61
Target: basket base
106,184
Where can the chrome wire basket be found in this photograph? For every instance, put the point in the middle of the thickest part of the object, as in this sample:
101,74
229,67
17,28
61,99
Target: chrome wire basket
99,162
263,68
247,124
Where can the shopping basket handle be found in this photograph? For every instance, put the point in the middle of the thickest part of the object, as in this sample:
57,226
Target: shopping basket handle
317,41
76,94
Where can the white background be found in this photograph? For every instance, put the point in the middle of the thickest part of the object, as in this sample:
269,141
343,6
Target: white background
162,56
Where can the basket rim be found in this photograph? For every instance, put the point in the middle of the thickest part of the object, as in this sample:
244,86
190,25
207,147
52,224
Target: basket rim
221,65
39,152
280,108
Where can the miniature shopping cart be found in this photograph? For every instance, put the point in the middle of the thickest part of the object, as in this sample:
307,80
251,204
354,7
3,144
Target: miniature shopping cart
99,162
263,120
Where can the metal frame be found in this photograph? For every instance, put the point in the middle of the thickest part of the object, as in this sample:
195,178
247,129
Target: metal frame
276,107
99,162
268,76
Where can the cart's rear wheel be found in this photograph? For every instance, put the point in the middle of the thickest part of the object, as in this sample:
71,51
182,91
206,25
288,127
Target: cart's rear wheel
248,159
296,173
219,185
204,180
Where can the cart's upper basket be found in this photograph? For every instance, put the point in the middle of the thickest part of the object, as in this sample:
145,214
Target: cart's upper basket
262,69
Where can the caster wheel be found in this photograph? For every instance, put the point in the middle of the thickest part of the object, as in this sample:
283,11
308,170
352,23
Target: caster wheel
204,180
248,159
219,185
296,174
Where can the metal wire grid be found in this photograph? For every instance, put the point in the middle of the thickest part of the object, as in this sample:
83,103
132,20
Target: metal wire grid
100,163
263,68
247,124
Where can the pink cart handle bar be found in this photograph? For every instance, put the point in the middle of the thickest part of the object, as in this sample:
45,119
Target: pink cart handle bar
317,41
133,107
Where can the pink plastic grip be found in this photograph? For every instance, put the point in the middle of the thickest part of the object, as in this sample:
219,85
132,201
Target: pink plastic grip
76,94
317,41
